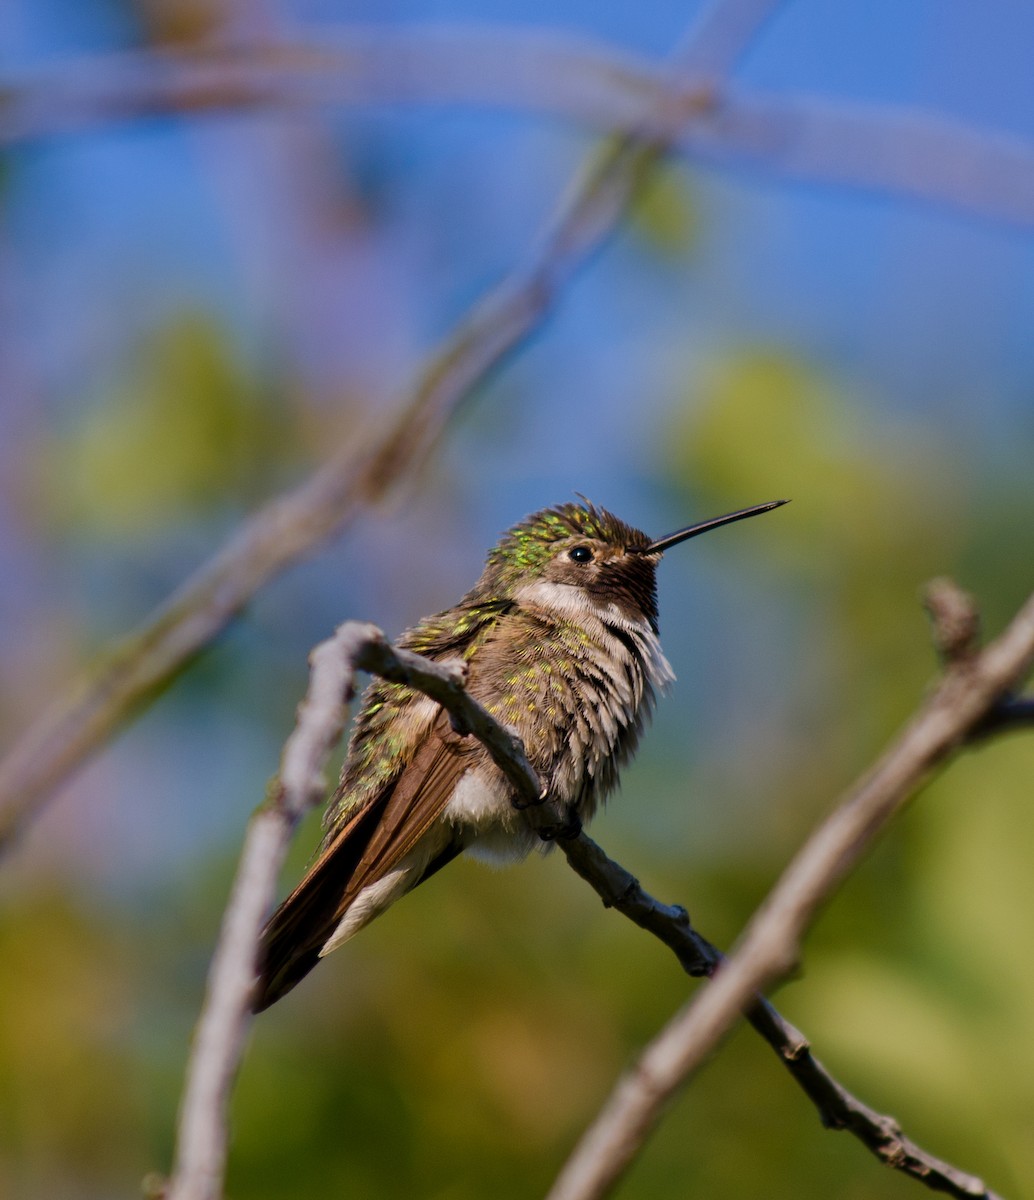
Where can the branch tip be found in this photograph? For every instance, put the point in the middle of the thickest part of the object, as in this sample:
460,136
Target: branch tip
955,620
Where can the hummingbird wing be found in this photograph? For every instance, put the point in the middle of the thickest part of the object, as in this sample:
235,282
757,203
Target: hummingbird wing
371,829
363,851
416,803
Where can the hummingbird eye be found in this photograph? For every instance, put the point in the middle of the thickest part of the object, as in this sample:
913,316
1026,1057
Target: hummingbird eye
580,554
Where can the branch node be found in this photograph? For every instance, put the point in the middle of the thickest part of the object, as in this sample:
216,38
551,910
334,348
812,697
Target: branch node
795,1051
956,621
628,894
563,831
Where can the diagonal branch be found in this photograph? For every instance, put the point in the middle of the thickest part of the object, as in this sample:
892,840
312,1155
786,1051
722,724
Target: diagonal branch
295,524
971,688
837,1107
290,527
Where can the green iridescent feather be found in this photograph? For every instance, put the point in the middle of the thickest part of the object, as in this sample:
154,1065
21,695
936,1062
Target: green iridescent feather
529,545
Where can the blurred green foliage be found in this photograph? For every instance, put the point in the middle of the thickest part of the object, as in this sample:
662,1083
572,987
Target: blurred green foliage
186,431
665,213
70,1098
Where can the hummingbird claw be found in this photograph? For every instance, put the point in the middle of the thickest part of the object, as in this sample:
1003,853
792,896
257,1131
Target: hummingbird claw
520,805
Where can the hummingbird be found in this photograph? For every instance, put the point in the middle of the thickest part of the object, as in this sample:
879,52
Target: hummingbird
559,638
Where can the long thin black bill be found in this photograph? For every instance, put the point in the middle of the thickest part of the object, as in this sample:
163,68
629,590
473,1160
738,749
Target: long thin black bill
681,535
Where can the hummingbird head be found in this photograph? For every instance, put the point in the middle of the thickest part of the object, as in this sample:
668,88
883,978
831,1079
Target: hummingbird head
581,559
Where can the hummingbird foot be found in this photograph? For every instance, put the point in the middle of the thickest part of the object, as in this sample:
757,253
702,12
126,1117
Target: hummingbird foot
565,831
521,805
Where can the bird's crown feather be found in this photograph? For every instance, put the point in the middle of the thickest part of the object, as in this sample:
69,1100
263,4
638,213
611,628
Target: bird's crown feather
531,543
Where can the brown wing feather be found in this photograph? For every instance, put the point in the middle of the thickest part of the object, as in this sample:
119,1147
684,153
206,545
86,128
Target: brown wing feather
417,802
373,842
296,932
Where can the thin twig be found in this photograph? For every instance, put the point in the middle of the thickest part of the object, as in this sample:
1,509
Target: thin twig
890,149
770,946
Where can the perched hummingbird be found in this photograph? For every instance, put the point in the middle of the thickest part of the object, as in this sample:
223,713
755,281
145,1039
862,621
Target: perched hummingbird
559,636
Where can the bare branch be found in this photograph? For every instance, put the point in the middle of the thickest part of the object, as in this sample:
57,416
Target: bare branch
620,890
889,149
555,74
226,1013
770,946
886,149
201,1146
837,1107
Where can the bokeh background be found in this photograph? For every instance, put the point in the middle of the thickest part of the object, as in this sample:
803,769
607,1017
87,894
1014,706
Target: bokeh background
194,309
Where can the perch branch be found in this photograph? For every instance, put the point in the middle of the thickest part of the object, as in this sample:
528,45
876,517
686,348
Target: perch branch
201,1146
970,688
226,1014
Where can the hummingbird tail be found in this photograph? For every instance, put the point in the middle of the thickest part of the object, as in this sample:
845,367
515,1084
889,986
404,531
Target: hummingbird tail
382,850
296,933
